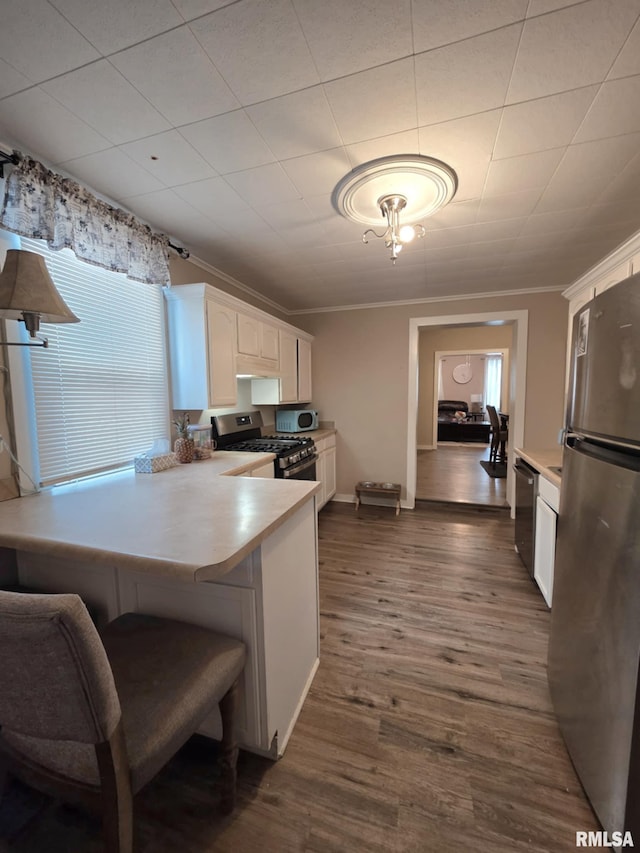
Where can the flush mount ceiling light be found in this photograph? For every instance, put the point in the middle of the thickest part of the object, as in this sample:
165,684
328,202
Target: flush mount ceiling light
407,184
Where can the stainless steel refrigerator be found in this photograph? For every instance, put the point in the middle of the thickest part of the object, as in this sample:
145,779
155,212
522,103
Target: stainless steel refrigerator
594,646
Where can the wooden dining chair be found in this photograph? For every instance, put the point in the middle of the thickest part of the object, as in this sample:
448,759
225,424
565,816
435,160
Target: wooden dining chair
92,718
498,437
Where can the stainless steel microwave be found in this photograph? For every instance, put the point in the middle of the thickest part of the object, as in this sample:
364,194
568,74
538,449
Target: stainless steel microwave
296,420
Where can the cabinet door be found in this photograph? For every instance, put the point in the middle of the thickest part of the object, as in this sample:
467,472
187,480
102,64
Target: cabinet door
269,342
321,477
288,368
304,371
221,344
248,335
545,548
330,473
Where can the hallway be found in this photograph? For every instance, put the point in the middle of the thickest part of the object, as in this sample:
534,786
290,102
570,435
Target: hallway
453,473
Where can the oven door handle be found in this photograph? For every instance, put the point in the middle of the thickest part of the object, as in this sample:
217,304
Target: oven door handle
301,466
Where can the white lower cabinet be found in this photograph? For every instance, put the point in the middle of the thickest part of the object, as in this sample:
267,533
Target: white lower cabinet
547,503
326,469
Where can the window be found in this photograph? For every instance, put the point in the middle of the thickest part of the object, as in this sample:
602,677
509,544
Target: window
100,389
493,381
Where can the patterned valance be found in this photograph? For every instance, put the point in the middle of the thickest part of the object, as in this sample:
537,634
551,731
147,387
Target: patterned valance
39,203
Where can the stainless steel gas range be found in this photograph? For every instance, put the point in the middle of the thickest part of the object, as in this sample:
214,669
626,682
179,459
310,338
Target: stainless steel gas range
295,454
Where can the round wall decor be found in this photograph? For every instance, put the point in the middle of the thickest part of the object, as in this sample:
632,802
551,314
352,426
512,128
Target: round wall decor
462,373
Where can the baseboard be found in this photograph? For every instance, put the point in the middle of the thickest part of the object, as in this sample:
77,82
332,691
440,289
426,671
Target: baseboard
344,499
426,447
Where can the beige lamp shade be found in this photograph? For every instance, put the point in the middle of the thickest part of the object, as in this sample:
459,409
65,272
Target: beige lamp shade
28,293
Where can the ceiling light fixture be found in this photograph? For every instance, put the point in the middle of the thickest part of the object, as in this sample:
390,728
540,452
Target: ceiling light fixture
28,293
410,184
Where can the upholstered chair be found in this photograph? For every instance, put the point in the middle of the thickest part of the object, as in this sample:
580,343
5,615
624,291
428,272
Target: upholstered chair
92,718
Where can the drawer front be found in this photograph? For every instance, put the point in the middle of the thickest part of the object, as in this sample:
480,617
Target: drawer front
549,492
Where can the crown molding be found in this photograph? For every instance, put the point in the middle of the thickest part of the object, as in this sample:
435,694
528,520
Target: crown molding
621,255
234,282
429,299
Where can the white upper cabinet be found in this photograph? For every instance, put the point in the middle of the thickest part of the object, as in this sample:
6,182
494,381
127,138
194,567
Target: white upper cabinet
202,346
293,384
221,362
257,339
288,368
304,371
214,337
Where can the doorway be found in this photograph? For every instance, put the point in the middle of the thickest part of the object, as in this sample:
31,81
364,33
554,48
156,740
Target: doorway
518,321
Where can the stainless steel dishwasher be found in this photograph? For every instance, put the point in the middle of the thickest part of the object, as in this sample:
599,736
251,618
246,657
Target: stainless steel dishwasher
525,529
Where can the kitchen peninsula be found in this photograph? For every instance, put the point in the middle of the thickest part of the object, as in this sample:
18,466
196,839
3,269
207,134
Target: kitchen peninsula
236,553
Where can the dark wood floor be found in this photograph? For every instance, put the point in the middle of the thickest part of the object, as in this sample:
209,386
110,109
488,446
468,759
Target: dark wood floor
428,727
453,473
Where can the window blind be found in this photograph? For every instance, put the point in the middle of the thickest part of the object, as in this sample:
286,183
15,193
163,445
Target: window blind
100,388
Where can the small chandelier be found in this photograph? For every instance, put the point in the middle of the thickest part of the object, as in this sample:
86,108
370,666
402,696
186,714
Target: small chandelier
396,235
410,184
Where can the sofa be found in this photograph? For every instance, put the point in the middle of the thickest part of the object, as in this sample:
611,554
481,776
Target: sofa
452,428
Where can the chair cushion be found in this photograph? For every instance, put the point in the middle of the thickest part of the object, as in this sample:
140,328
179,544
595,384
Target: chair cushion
168,675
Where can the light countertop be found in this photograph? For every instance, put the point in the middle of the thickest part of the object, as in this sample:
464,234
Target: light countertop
543,460
188,522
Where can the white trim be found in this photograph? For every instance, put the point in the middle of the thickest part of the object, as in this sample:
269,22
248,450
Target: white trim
199,290
236,283
624,252
493,294
520,320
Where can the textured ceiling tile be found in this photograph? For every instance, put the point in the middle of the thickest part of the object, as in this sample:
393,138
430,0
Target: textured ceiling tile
374,103
405,142
111,25
296,124
465,78
37,124
177,77
229,142
170,158
264,185
165,209
348,37
112,172
317,174
11,81
544,123
212,197
570,48
541,7
436,23
628,61
525,172
190,9
100,96
611,113
464,144
37,41
516,204
586,170
259,49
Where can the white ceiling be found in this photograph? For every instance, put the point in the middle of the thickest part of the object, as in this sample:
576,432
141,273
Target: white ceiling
253,110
